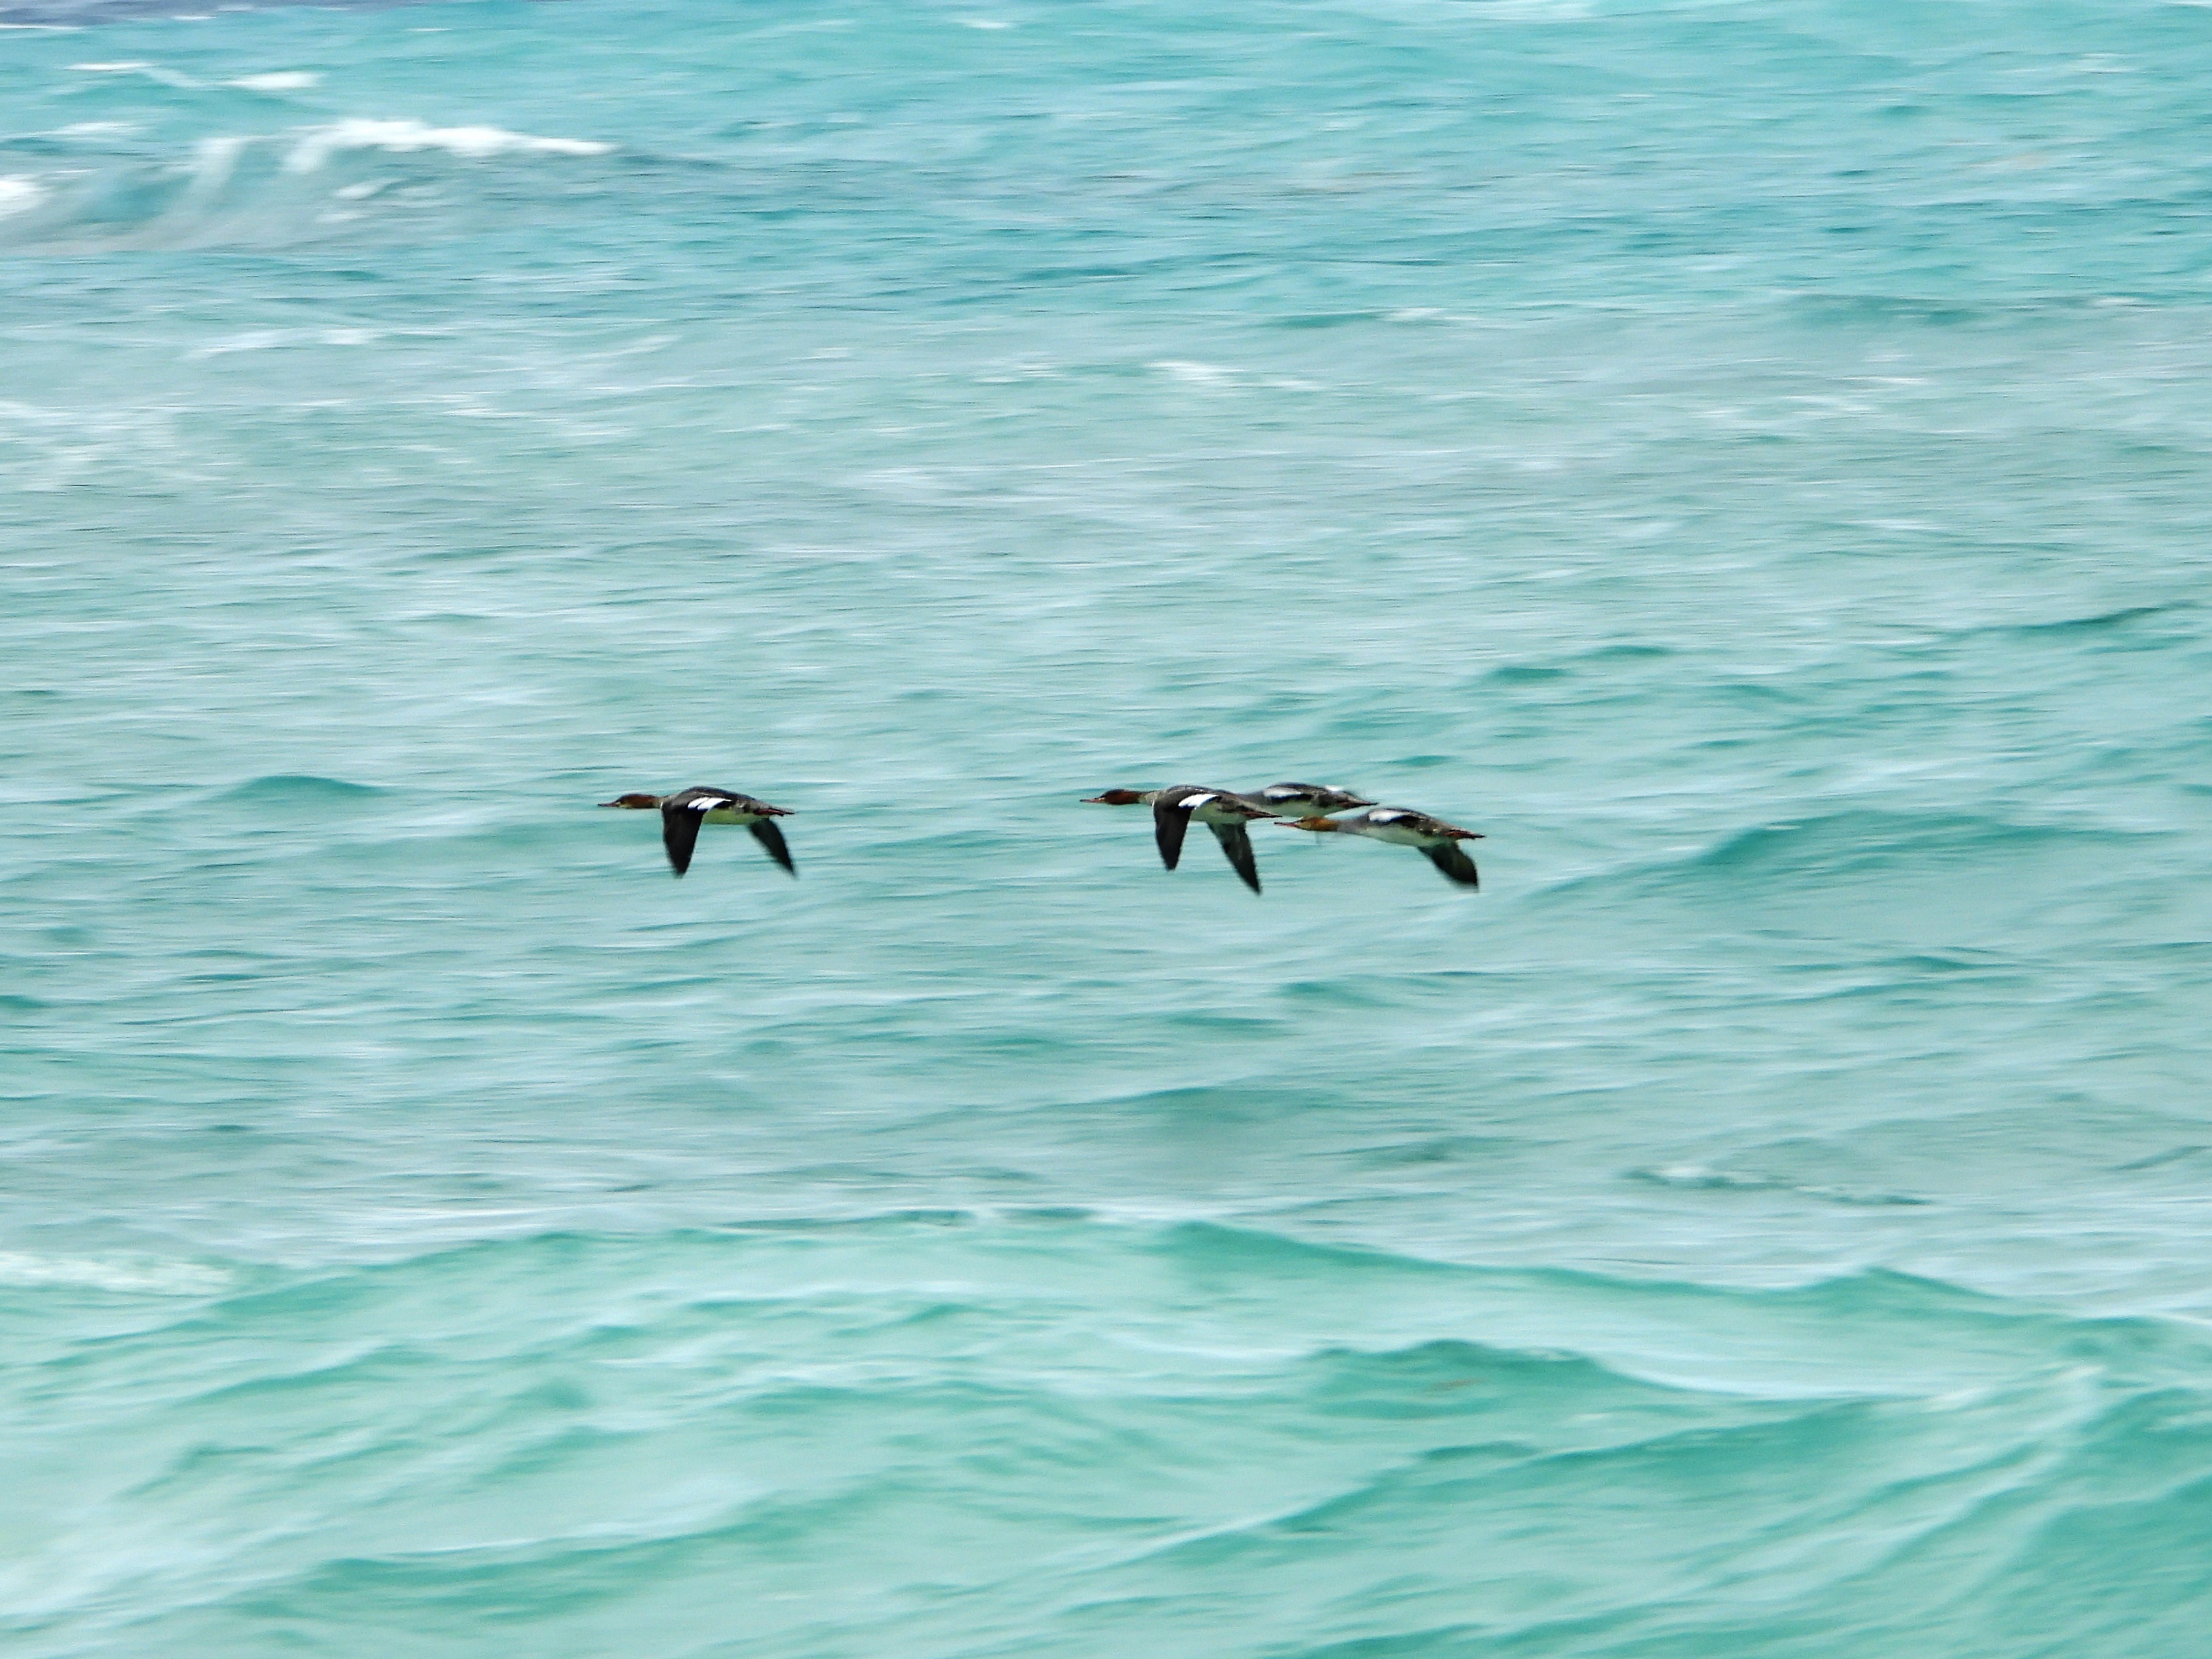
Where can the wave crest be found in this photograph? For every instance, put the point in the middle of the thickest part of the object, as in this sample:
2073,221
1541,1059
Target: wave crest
472,144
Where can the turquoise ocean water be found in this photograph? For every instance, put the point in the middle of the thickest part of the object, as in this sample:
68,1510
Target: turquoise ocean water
1751,461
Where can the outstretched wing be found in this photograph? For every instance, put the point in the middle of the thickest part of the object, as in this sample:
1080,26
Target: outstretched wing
1451,858
1170,823
1236,847
766,833
679,833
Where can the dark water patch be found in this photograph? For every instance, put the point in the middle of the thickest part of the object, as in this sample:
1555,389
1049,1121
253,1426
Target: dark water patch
1210,1245
898,1219
1454,1639
1972,963
1833,309
1309,320
1691,1177
2102,621
1887,859
2161,1160
1707,1470
480,1591
1455,1378
1223,1024
1258,1101
1343,993
1255,1256
1627,653
297,789
1438,1150
1427,762
1851,842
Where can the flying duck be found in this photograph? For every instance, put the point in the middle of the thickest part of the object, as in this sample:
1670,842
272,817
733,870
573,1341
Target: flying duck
1305,800
1226,813
1401,827
681,813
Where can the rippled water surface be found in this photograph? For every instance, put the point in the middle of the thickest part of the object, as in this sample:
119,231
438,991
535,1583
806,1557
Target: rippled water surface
1749,461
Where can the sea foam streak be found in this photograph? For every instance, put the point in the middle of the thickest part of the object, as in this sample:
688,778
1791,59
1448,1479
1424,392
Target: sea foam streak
128,1277
18,195
474,142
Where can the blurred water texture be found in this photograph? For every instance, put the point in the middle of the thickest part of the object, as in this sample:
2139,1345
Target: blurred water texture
1748,459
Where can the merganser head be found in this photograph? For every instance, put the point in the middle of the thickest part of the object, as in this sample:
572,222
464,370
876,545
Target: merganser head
636,803
1320,825
1115,798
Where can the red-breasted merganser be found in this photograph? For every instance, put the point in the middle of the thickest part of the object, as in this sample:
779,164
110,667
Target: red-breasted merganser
1306,800
1225,811
1282,800
681,813
1400,827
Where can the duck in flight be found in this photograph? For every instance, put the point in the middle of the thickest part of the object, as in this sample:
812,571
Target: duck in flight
1306,800
1439,841
1227,813
681,813
1282,800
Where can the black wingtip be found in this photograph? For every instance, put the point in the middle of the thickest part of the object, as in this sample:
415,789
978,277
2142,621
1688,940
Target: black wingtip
1451,859
1170,821
771,838
679,834
1236,847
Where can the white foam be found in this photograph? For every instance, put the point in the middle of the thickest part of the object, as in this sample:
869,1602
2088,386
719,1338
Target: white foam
475,143
267,339
156,1278
1192,373
18,195
214,160
152,71
280,81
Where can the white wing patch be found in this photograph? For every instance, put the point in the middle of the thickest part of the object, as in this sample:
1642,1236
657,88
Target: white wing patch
1388,815
712,804
1191,803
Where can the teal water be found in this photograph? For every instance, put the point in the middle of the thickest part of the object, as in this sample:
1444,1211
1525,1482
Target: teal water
1750,461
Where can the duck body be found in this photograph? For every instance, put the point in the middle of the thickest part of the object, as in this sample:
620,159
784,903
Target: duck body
1400,826
1305,800
1175,809
683,813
